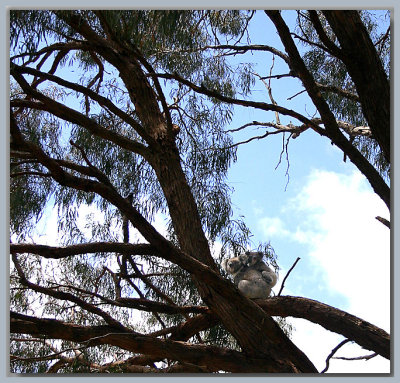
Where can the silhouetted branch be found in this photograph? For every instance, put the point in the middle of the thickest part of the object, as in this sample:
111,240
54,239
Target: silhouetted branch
284,279
333,353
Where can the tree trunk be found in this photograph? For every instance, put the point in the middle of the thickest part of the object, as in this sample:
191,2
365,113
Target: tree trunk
257,333
366,70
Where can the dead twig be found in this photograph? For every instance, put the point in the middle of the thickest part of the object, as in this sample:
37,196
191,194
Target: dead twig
384,221
284,279
342,343
366,357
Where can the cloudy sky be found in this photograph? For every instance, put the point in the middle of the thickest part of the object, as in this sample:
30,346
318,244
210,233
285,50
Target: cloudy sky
318,207
344,259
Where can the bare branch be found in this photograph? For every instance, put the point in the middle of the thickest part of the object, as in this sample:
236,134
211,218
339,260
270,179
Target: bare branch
332,353
287,274
384,221
83,248
342,92
29,173
285,150
268,86
251,139
365,357
66,296
246,48
252,104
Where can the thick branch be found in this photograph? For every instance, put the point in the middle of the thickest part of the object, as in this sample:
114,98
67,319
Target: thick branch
102,101
73,116
214,358
366,70
360,331
263,337
146,305
169,253
124,58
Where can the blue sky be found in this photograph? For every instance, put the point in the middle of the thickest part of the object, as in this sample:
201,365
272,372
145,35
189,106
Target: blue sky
326,216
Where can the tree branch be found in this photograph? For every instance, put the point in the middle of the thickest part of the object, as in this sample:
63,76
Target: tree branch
342,92
66,296
75,117
83,248
252,104
384,221
365,357
333,353
287,274
367,72
214,358
245,48
356,329
331,127
101,100
362,332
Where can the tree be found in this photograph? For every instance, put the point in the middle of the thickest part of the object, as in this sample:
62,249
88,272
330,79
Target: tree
91,123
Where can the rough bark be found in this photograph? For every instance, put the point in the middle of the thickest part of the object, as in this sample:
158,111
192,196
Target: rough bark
360,331
356,329
214,358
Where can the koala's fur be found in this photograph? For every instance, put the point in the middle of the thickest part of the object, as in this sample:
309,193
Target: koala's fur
251,275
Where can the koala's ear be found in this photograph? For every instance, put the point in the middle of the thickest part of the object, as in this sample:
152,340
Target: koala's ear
224,264
255,257
243,258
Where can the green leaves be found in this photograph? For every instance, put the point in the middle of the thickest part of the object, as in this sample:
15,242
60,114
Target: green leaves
165,41
330,71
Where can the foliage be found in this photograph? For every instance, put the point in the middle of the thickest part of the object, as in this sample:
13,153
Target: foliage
331,71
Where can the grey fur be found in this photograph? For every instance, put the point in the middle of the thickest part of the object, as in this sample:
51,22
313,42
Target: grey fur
251,275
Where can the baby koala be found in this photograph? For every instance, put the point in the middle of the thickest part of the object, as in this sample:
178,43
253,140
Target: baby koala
251,275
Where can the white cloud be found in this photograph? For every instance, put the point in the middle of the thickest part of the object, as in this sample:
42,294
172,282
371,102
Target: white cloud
349,250
348,242
272,227
257,210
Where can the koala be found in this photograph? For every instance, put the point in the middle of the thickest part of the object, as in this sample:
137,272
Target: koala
255,261
251,275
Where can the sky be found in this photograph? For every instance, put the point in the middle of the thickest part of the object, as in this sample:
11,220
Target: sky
325,215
